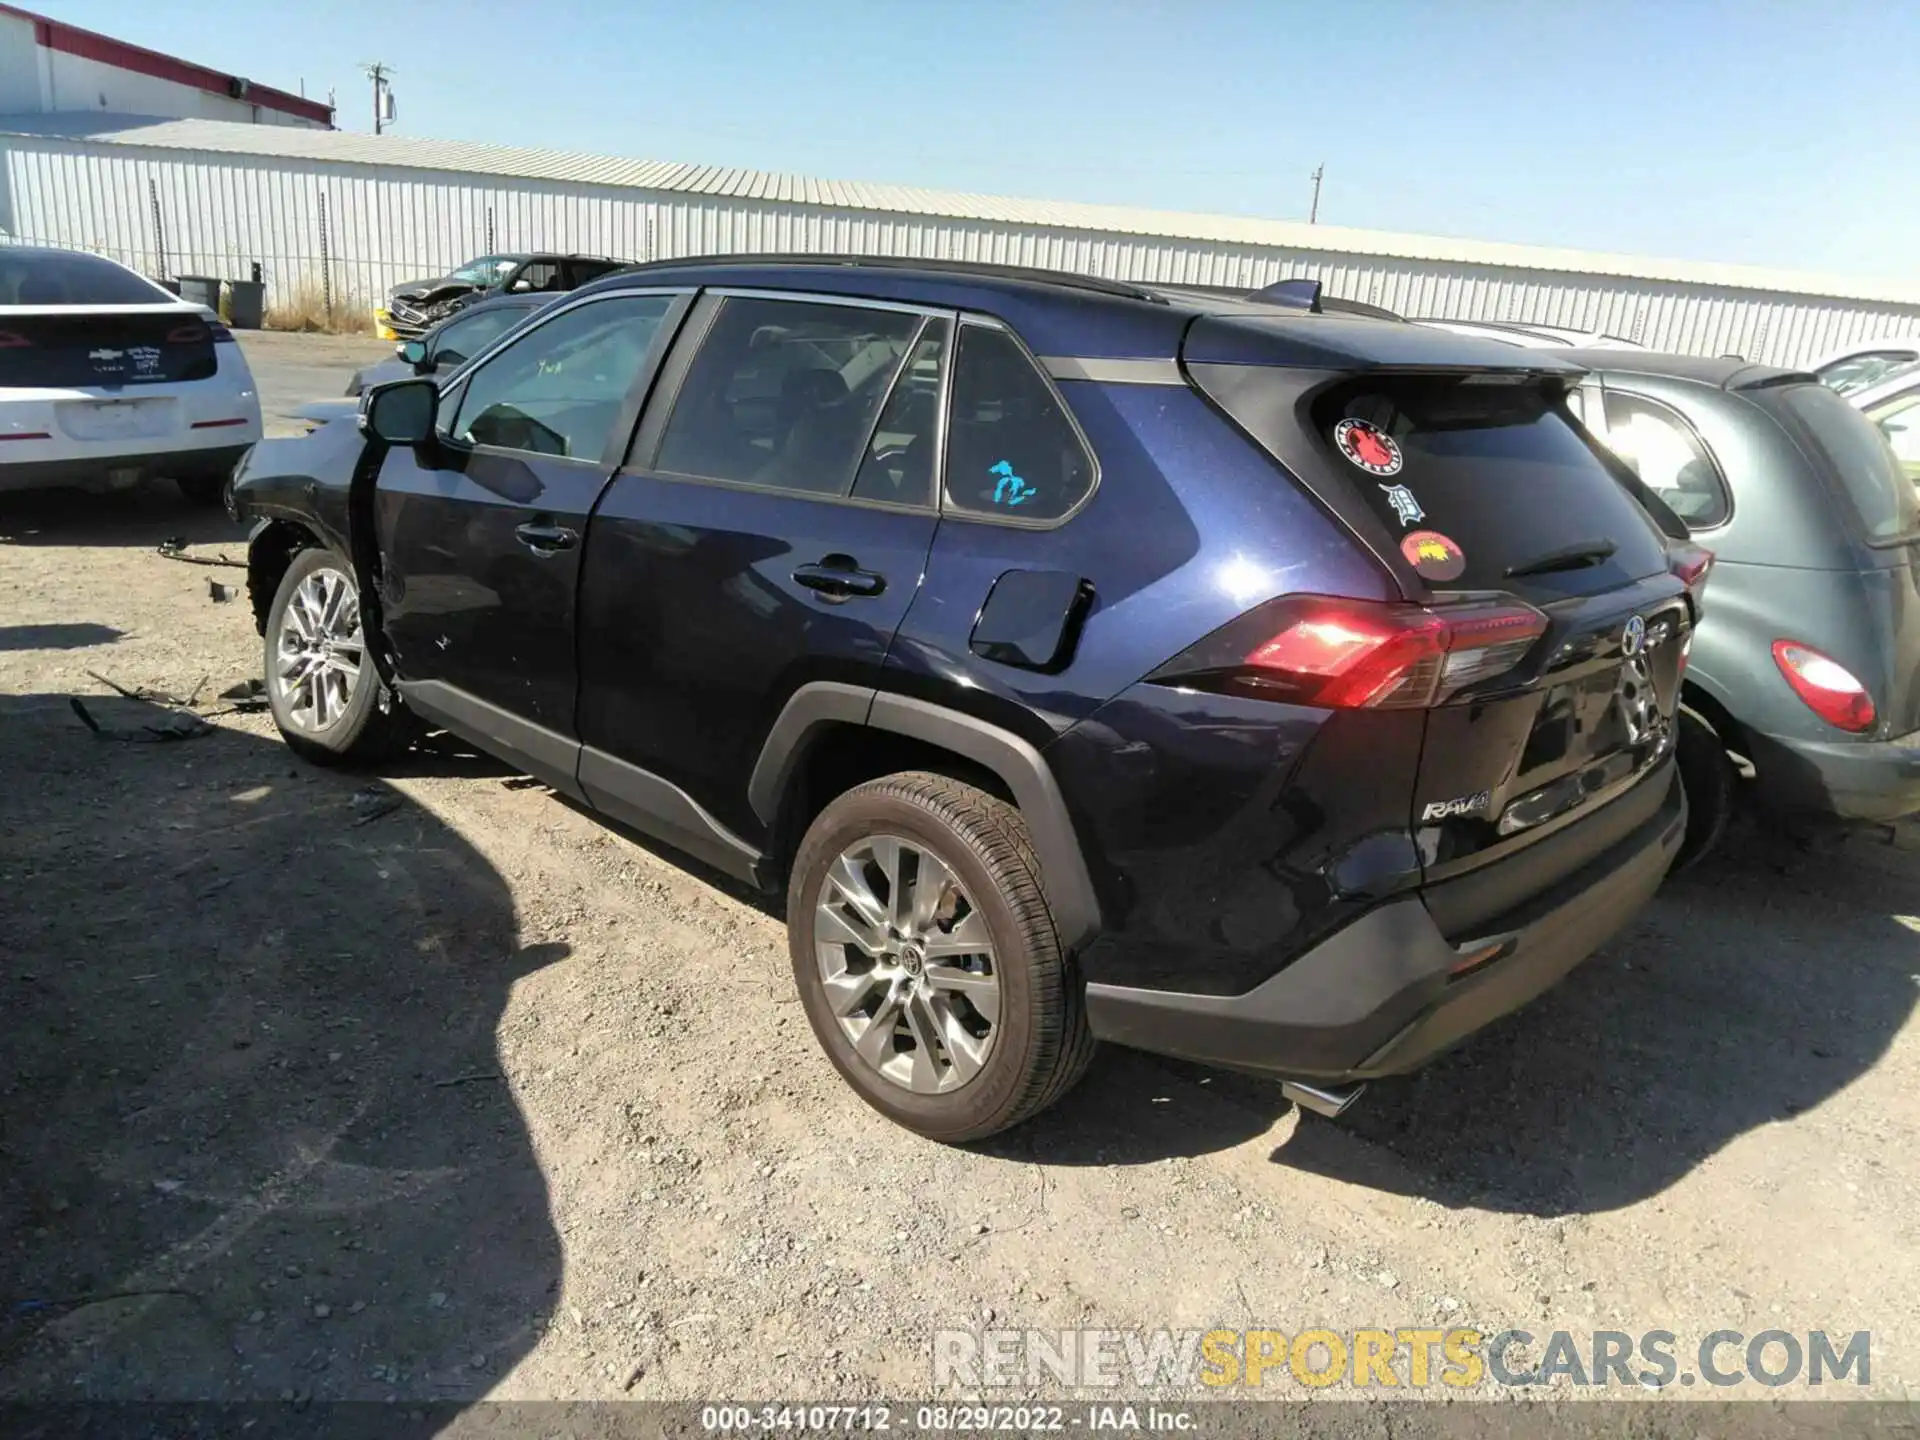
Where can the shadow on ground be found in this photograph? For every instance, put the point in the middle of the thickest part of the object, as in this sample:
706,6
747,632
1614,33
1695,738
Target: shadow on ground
254,1139
1751,990
145,515
78,636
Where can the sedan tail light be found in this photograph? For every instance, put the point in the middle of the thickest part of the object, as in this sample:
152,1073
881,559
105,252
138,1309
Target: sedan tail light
1828,687
1358,654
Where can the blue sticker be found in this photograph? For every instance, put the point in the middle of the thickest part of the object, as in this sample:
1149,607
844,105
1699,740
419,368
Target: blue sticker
1011,490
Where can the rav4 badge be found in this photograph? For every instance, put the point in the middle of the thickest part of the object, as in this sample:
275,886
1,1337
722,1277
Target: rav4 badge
1453,809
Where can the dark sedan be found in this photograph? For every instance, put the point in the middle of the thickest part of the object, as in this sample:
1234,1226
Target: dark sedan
1804,677
452,342
415,306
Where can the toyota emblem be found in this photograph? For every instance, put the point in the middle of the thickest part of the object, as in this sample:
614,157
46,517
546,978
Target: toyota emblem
1633,637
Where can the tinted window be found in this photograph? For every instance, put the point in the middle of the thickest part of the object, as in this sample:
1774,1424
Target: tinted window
1663,450
898,467
1473,478
559,389
1859,457
539,275
461,340
1011,450
72,279
784,394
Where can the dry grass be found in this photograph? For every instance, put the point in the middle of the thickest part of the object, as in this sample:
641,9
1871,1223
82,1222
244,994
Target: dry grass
304,308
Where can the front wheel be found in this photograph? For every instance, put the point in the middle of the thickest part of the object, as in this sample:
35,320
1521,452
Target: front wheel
927,960
326,698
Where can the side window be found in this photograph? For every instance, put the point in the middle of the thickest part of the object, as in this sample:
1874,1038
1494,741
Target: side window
1670,459
560,388
461,340
784,394
1899,421
537,275
898,467
1011,450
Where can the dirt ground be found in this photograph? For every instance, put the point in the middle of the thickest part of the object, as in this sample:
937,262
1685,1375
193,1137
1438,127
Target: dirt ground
429,1085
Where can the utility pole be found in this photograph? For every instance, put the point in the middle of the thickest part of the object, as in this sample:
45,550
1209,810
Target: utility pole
378,72
1314,213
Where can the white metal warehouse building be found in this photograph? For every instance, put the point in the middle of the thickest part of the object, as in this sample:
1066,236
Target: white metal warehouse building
356,213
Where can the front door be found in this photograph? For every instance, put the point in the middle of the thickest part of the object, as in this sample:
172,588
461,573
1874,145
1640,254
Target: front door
482,531
771,530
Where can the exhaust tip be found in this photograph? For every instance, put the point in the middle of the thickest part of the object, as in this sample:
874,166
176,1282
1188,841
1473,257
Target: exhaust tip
1331,1101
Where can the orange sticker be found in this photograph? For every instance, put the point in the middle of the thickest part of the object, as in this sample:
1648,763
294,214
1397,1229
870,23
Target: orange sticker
1433,556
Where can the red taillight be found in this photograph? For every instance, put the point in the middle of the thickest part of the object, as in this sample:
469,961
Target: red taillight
1691,563
1359,654
14,340
1828,687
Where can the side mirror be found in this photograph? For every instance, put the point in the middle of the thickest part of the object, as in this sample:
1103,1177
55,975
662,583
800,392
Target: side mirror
414,352
400,413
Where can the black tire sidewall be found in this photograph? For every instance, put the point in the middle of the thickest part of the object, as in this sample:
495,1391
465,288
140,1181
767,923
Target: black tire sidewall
337,740
1709,780
976,1108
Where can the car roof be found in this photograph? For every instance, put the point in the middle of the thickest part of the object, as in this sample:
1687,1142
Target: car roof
1058,313
1722,372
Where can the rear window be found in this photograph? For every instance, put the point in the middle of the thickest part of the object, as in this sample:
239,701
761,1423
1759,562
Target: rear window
1858,456
72,279
1475,478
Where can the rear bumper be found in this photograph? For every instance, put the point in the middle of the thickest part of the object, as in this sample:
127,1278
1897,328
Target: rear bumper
103,471
1855,780
1377,998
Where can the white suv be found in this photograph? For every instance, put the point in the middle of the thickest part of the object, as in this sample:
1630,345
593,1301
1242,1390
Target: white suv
106,379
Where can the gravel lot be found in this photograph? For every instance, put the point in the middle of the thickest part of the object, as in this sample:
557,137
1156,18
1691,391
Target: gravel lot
430,1085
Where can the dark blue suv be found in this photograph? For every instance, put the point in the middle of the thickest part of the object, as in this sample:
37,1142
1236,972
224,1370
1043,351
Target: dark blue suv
1285,690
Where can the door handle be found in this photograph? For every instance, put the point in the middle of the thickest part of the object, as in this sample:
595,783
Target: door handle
838,577
546,539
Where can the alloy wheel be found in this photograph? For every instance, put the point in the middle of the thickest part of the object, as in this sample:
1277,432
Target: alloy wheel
907,964
321,650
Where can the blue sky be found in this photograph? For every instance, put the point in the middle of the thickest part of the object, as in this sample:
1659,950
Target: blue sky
1756,131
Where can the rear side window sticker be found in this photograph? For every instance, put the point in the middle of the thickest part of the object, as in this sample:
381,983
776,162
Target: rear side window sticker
1010,488
1406,509
1368,446
1433,556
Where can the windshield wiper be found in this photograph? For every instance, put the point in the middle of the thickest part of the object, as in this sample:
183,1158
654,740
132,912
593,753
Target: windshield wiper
1567,557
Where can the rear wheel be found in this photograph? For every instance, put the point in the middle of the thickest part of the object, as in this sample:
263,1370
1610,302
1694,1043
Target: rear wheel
326,698
927,960
1710,780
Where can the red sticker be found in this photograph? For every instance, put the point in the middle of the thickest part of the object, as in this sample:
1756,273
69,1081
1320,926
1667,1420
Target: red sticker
1433,556
1367,446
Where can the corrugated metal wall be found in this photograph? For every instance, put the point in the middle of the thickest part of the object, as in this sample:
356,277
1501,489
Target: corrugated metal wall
358,230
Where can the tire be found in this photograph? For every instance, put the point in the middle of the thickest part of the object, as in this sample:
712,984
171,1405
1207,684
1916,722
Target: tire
356,719
1709,779
202,489
1036,1044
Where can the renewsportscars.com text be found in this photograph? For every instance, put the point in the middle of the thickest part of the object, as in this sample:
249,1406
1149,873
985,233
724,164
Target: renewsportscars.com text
1416,1359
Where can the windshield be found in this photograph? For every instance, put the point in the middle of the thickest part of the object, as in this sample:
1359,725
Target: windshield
1898,420
1855,373
488,270
1858,455
41,278
1494,475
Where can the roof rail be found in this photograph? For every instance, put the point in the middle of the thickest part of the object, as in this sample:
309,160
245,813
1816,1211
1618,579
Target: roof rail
1064,278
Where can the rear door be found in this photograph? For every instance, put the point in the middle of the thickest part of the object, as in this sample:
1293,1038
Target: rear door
1487,485
481,531
769,528
1471,485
